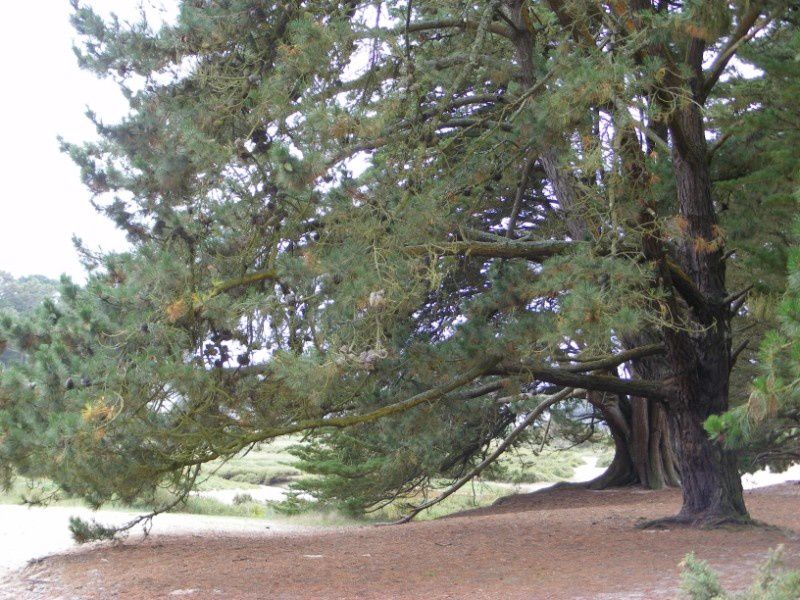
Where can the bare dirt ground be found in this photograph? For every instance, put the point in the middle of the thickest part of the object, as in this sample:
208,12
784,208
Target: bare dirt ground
553,544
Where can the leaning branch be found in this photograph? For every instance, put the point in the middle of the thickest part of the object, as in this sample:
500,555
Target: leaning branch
243,281
350,420
744,32
686,287
520,194
199,300
532,416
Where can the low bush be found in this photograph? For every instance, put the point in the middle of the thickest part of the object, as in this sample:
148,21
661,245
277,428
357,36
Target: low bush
240,499
773,582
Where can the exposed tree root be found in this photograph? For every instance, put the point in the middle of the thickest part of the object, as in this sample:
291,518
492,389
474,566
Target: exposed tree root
704,522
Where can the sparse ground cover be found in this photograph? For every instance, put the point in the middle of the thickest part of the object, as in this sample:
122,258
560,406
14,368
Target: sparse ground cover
312,538
31,534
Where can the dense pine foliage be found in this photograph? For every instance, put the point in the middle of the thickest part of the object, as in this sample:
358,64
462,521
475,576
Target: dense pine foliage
400,226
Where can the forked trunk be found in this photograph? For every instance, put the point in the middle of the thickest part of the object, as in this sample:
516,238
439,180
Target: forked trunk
650,443
643,450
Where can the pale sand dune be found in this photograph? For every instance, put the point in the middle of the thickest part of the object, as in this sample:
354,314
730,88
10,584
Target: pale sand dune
30,533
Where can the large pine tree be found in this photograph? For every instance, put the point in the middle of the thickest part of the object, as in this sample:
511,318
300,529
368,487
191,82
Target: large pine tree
397,225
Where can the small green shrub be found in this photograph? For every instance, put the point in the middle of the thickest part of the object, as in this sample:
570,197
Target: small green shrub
199,505
85,531
700,582
240,499
258,476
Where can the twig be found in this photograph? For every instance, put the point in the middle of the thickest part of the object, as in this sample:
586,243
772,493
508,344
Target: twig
735,354
523,185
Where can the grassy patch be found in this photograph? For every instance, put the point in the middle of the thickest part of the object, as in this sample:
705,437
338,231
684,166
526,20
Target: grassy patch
35,491
524,465
271,464
268,464
473,495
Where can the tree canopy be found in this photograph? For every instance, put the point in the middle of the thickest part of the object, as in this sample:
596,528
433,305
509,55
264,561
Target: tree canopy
397,227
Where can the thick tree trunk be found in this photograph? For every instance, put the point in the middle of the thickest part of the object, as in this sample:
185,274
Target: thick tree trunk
700,354
652,441
643,445
621,472
712,487
643,451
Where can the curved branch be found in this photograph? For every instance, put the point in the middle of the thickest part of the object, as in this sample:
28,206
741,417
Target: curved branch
532,416
744,32
350,420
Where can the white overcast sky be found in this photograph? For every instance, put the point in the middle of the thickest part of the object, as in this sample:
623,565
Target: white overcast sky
45,94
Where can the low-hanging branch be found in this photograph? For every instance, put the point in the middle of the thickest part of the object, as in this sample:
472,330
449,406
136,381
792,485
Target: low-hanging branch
341,422
526,422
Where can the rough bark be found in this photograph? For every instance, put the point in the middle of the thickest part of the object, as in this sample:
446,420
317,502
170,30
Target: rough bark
653,448
700,359
643,454
712,487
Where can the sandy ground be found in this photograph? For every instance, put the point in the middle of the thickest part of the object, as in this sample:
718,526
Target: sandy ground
31,533
766,477
553,544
